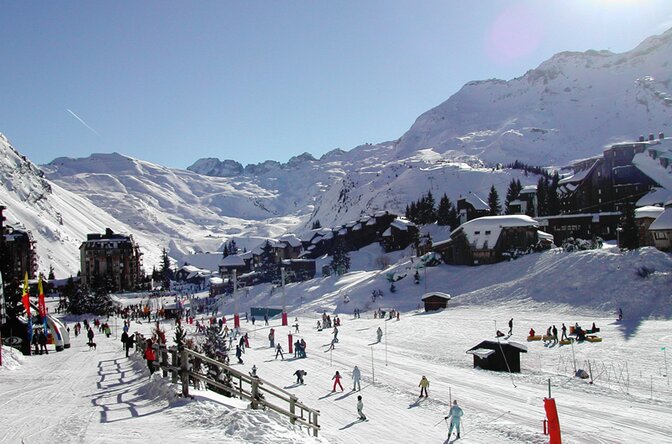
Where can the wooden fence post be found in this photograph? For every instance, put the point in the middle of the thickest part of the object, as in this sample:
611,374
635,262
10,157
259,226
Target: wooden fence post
184,367
173,364
164,360
254,391
315,424
292,409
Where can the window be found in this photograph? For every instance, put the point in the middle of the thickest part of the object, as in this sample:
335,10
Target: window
477,232
487,232
659,235
599,191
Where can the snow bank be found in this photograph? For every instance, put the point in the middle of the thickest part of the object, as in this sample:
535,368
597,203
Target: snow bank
11,358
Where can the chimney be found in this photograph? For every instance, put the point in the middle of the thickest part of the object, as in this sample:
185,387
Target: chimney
651,136
661,135
641,137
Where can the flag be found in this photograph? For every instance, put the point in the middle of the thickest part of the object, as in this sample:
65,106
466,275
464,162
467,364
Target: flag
26,297
41,305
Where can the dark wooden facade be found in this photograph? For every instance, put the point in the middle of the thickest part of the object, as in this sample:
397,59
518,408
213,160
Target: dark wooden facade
435,301
502,356
111,255
582,226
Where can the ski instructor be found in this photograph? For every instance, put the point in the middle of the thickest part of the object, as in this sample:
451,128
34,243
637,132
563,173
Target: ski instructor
455,416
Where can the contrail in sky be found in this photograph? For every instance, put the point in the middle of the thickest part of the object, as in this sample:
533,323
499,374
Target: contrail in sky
83,122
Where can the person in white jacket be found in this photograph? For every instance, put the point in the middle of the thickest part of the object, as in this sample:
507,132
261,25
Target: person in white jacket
360,407
455,416
356,375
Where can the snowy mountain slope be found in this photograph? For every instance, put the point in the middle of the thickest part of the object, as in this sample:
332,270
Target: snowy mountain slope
58,219
567,108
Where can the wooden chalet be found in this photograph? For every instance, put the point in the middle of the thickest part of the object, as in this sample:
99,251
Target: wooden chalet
399,235
661,229
583,225
487,239
471,207
500,356
644,217
435,300
241,263
192,275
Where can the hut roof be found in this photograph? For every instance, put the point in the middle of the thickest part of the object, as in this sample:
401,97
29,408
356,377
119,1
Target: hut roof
445,296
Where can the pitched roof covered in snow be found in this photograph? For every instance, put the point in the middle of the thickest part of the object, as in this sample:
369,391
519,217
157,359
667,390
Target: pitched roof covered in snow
232,260
664,221
657,196
648,211
402,224
651,166
476,202
579,175
486,230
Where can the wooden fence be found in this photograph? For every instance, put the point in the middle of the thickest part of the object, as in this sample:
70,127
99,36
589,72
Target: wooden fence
260,393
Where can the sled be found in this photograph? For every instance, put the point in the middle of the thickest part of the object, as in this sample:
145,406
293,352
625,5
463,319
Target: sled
593,339
565,342
534,338
547,337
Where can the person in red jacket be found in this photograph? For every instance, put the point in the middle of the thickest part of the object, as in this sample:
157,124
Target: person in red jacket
337,381
150,357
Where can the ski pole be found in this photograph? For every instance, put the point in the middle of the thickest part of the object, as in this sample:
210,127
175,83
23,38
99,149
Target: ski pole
439,422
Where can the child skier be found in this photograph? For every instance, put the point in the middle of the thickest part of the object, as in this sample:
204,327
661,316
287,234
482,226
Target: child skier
424,385
337,381
360,407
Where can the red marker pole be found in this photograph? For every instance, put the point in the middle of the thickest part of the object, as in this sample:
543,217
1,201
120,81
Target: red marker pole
284,311
552,416
236,317
291,344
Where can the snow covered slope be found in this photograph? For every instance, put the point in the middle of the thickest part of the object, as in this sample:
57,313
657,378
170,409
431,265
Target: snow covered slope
58,219
567,108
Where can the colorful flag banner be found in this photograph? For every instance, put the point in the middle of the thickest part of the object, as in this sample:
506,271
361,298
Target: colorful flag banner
26,298
41,304
3,313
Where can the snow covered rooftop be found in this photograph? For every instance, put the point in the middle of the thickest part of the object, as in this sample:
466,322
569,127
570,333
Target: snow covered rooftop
484,231
664,221
648,211
527,189
481,352
402,224
545,235
291,239
652,167
578,176
232,260
435,293
657,196
476,202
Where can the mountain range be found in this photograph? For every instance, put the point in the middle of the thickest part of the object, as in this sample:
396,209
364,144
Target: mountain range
569,107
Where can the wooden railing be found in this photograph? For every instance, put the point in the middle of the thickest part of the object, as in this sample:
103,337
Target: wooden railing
259,392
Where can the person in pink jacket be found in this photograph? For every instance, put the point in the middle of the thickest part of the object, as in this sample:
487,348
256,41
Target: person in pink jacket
337,381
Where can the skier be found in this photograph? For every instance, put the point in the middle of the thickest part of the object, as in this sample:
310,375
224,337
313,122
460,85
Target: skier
564,331
239,353
278,351
332,346
335,333
266,319
150,356
620,314
356,376
379,333
510,326
89,335
42,339
302,352
271,338
253,372
455,415
299,376
337,381
360,407
424,385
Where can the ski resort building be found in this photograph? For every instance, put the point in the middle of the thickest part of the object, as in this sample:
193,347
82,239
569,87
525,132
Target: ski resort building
113,258
17,252
644,217
661,229
471,207
488,239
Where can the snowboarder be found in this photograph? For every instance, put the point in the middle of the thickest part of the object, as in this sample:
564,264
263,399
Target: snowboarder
299,376
360,407
510,326
455,416
278,351
424,385
356,376
337,381
379,333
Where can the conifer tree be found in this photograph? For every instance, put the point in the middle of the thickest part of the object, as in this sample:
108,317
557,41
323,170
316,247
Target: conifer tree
493,202
512,194
268,268
629,237
340,260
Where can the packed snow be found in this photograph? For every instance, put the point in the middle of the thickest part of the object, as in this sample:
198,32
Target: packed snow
81,395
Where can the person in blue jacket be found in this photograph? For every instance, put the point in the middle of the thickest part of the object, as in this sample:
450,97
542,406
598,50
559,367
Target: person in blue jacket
455,416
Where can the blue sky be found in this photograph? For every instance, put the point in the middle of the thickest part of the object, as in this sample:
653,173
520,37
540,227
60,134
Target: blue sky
171,82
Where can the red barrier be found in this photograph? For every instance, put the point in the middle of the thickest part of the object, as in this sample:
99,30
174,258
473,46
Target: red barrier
284,318
236,321
553,421
291,344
